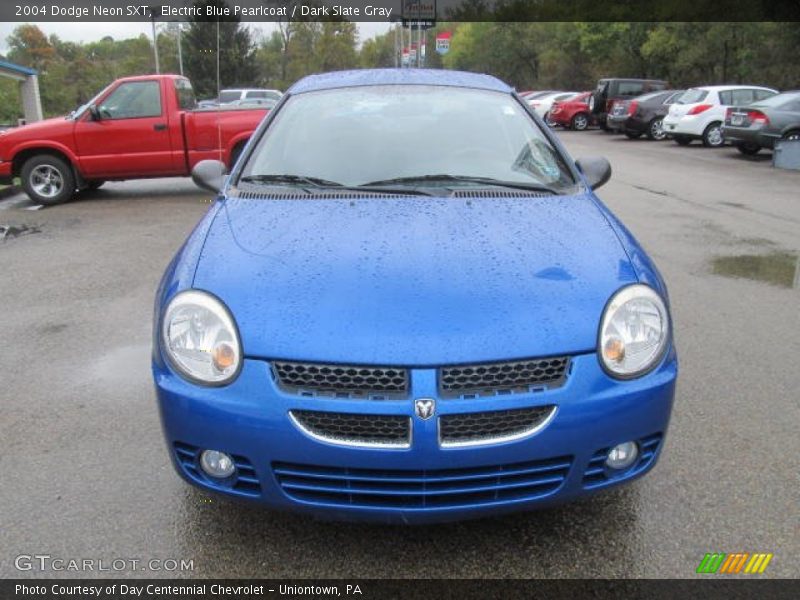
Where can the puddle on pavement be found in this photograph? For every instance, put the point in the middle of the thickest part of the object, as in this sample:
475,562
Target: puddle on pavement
15,231
779,268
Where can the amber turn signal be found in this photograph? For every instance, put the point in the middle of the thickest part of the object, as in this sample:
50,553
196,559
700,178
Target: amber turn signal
223,356
614,350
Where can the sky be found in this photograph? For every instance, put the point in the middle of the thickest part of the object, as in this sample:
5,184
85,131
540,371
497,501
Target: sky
89,32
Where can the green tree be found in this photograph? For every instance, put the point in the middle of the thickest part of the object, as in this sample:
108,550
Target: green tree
237,65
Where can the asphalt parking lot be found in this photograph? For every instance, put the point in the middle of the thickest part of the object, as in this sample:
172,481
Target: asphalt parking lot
86,472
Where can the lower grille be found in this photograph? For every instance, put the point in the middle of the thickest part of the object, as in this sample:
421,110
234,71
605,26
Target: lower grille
420,490
472,429
244,481
503,378
315,379
598,475
387,431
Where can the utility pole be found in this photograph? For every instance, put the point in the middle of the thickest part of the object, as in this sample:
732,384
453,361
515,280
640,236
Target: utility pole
177,26
153,10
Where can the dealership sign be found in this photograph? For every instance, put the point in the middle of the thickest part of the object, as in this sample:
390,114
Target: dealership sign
443,42
419,13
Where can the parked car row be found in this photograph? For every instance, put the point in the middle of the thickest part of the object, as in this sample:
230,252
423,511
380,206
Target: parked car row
747,116
243,97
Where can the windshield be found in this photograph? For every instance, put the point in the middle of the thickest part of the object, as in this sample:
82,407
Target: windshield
374,134
692,96
76,114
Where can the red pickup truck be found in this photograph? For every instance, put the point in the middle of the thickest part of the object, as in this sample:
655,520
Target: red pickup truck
138,127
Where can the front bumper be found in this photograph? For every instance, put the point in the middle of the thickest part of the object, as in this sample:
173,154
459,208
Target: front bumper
6,172
562,461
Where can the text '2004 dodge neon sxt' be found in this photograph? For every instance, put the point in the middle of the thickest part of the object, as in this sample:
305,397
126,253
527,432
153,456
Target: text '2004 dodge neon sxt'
406,304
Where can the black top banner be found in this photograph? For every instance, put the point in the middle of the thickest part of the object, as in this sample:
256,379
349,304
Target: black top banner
390,11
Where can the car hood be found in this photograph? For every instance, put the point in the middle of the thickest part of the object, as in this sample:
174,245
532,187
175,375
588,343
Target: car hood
46,124
414,281
33,129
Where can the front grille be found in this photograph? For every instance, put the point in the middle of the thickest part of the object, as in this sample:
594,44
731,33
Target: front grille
420,490
341,381
598,475
355,429
244,481
470,429
503,378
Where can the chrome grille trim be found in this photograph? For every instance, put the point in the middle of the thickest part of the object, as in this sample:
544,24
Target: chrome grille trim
335,380
297,418
507,377
539,419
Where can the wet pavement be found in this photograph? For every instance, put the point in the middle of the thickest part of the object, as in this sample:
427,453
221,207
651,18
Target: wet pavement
86,472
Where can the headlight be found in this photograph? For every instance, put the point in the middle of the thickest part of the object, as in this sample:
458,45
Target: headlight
634,332
200,338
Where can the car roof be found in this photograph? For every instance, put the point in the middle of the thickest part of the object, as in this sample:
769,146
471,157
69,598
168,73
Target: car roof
248,90
152,76
362,77
631,79
724,88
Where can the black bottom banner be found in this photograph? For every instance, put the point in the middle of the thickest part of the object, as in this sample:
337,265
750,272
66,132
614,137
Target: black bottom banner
456,589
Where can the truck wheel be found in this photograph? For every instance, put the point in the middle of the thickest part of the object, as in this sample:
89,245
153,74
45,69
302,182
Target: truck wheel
748,149
712,136
48,179
579,122
792,135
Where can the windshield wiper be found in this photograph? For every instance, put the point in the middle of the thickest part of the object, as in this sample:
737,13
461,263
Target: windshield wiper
326,184
534,187
290,179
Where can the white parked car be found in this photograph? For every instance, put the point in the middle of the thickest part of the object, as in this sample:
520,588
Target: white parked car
542,104
240,94
700,112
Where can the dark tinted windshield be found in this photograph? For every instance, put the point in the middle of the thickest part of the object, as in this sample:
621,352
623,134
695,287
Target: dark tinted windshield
354,136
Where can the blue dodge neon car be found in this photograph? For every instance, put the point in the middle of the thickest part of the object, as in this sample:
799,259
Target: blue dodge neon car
407,304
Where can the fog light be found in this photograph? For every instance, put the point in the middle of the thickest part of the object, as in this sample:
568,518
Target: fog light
622,456
217,464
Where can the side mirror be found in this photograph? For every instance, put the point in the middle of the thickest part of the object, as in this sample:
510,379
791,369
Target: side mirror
596,170
209,175
96,116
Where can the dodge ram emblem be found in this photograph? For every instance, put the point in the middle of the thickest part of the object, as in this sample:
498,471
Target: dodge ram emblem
424,407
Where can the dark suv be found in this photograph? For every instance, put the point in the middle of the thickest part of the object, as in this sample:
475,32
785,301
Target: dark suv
609,90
